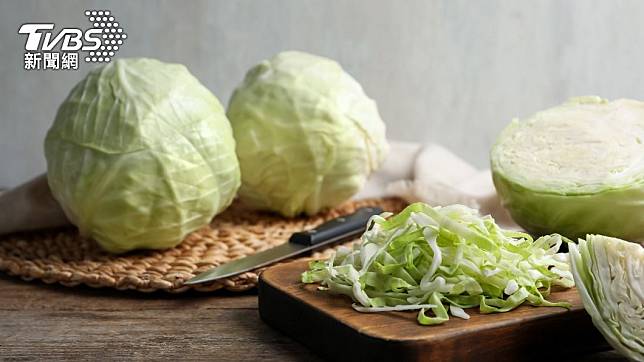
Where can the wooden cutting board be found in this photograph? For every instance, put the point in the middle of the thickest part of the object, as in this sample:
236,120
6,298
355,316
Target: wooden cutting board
327,324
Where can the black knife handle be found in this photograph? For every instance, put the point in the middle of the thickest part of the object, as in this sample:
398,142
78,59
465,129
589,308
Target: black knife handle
338,228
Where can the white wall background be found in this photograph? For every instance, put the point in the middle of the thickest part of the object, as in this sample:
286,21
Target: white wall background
453,72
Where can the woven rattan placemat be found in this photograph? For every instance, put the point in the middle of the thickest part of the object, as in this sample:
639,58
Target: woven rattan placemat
62,256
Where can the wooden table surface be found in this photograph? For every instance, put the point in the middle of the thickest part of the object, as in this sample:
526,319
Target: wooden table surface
45,322
40,321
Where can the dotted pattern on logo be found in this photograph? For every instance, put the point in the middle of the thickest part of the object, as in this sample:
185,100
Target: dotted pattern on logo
113,35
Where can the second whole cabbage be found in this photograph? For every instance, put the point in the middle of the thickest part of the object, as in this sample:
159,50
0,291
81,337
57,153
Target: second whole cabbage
307,135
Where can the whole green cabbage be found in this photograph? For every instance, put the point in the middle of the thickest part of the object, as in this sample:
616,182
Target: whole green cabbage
307,135
575,169
140,154
609,274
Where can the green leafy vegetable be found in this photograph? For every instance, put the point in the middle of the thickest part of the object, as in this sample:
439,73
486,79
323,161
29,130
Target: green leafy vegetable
428,257
575,169
609,274
141,154
307,135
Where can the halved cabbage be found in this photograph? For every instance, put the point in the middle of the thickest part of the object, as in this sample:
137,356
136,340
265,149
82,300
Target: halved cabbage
609,274
575,169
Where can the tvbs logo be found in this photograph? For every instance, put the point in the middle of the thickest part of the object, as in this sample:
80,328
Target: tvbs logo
47,48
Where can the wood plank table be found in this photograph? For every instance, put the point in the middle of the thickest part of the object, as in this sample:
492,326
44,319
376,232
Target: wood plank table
47,322
44,322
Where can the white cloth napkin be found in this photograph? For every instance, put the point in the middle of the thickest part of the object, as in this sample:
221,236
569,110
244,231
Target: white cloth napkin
432,174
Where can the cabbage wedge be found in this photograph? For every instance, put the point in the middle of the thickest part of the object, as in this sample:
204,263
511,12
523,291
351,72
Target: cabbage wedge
609,274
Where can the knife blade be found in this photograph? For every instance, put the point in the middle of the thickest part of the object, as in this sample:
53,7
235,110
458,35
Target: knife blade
339,229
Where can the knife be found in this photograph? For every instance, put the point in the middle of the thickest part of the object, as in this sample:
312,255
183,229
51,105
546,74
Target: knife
339,229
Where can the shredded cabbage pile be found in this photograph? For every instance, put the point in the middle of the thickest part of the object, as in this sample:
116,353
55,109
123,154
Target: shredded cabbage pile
434,258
